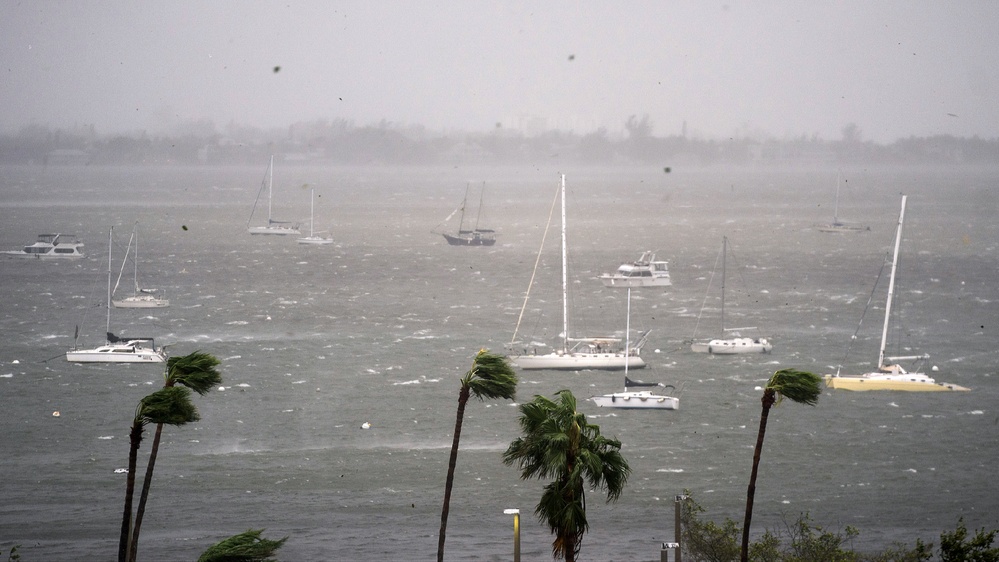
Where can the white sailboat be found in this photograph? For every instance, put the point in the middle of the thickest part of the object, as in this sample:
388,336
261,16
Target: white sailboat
273,227
837,226
140,298
117,350
632,397
312,238
734,345
575,353
890,375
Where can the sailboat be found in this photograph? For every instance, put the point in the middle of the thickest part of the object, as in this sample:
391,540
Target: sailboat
890,375
836,225
312,238
281,228
575,353
735,345
474,237
633,399
140,298
116,349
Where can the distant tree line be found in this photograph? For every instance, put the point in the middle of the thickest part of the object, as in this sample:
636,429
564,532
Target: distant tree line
342,142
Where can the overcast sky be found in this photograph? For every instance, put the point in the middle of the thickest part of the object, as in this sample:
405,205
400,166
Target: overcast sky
782,68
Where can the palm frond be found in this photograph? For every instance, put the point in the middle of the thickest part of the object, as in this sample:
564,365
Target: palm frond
196,371
795,385
244,547
170,406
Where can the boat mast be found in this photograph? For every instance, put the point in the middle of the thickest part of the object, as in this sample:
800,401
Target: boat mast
627,342
478,214
312,214
565,277
724,252
270,188
464,201
891,285
107,329
135,260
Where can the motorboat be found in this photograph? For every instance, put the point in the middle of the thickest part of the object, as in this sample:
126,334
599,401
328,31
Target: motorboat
645,272
60,246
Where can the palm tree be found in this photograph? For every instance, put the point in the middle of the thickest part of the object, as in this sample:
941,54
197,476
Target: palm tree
490,377
798,386
197,372
559,443
171,406
244,547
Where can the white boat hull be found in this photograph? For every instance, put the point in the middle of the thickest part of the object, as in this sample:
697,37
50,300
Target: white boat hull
273,230
578,361
141,302
733,346
642,400
315,240
905,382
632,282
116,353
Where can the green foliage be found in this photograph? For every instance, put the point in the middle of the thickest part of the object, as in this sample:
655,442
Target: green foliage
559,443
706,541
244,547
798,541
955,547
798,386
13,555
170,406
491,376
196,371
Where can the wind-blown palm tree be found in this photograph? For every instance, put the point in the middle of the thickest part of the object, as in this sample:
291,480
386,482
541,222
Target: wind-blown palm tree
198,372
797,386
559,443
490,377
171,406
244,547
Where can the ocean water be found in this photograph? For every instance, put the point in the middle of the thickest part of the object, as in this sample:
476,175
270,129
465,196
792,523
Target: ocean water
378,328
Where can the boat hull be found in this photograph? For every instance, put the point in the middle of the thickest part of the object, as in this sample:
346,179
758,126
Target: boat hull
632,282
141,302
115,354
578,361
273,230
908,382
733,346
315,241
464,240
637,401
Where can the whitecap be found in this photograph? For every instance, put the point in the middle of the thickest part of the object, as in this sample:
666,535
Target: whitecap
106,437
298,382
673,470
6,376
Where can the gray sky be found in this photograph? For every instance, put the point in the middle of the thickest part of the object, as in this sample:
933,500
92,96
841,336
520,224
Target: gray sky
782,68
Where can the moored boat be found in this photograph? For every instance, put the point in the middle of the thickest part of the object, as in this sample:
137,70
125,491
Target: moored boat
59,246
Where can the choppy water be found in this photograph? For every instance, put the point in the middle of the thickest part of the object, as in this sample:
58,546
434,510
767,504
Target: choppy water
378,328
